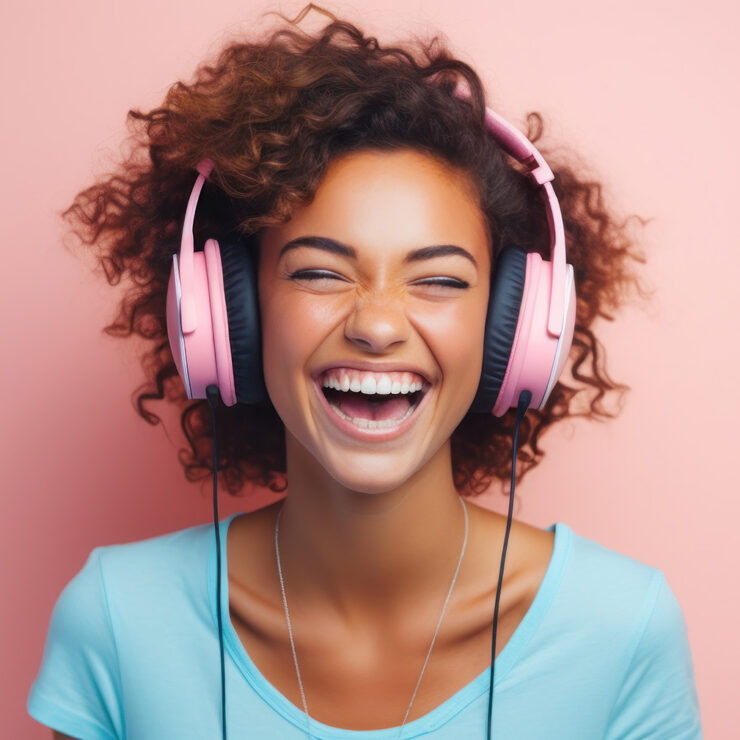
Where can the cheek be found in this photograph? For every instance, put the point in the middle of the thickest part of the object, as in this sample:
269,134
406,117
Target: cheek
291,332
455,338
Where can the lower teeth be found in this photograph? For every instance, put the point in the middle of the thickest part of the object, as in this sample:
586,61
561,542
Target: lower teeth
372,424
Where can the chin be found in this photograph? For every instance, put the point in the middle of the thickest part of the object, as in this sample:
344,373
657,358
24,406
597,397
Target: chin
371,474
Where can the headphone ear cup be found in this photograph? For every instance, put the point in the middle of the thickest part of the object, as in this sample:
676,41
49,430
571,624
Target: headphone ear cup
239,268
201,355
504,306
519,352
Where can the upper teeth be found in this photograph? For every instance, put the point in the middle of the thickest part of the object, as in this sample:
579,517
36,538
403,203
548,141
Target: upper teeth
371,383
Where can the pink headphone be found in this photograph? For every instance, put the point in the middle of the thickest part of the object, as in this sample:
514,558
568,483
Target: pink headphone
213,312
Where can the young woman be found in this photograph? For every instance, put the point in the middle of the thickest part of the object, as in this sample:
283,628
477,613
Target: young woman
367,242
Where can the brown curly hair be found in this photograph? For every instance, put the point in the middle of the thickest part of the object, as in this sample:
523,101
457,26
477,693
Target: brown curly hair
272,114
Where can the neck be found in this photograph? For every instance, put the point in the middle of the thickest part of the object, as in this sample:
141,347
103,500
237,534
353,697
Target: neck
368,554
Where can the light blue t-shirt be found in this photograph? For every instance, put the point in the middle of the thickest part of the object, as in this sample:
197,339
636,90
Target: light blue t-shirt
132,652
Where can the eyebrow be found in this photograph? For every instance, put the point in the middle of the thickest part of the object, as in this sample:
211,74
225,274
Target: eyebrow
335,247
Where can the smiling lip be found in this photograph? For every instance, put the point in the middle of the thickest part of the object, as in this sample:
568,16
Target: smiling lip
369,435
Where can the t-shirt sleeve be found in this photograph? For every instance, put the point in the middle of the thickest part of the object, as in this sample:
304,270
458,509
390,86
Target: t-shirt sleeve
77,689
657,699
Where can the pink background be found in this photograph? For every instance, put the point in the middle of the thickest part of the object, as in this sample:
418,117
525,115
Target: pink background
643,91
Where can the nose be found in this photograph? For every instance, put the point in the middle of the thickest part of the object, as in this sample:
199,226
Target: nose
376,323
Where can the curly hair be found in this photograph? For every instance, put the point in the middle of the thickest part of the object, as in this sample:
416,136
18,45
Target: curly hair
271,114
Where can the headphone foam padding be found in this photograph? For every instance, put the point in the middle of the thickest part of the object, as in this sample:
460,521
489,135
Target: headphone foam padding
242,308
504,306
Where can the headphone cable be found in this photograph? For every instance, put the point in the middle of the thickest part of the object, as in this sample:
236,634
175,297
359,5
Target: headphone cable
213,399
525,398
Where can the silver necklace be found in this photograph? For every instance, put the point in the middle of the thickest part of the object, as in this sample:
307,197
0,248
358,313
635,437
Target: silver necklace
290,629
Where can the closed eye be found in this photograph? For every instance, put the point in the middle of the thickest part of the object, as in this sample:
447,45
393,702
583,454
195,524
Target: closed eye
325,275
312,275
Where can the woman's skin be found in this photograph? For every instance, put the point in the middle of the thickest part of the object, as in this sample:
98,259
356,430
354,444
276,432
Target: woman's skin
370,533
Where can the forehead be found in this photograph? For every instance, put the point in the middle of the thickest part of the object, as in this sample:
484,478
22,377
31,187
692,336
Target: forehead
391,200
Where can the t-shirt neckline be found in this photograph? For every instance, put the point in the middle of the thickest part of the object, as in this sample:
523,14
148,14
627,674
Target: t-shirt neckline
432,720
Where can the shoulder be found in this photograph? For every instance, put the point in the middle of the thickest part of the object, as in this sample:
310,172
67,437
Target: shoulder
117,581
617,625
158,551
112,620
145,582
633,597
624,584
608,592
77,687
628,609
123,587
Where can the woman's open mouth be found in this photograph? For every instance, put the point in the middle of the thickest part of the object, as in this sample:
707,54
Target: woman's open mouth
379,416
372,411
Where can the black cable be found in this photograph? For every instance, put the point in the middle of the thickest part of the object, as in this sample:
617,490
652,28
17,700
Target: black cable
213,400
525,398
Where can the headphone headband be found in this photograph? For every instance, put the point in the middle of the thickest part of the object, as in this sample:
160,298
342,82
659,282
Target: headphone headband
516,144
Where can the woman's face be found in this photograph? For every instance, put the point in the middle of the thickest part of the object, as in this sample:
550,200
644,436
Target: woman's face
370,299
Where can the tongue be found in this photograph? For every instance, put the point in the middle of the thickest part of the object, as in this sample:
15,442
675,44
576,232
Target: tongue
358,406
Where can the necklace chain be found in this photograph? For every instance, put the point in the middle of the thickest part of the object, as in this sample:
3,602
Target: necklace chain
429,652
